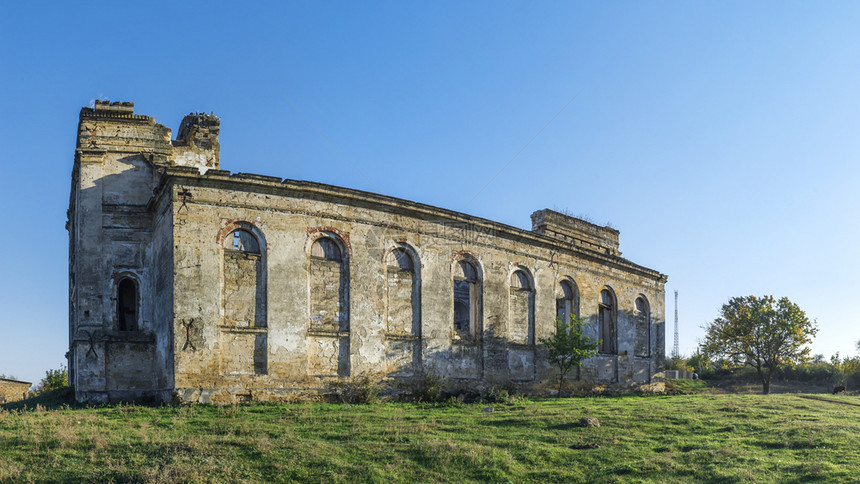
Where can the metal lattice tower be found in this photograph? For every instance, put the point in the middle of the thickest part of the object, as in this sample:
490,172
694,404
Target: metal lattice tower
675,351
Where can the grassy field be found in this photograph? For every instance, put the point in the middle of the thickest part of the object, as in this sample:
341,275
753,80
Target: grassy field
677,438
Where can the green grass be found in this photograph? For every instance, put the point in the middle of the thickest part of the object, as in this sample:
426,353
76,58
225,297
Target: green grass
680,438
687,386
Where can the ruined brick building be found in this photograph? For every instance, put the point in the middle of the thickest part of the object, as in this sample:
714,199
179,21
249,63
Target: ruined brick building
13,390
188,282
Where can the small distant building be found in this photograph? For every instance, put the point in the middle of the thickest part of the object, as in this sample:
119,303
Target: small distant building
13,390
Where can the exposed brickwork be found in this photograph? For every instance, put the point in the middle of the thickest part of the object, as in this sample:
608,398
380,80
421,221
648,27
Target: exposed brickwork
13,390
243,291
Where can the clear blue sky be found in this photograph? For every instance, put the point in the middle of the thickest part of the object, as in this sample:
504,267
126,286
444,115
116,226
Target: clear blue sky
721,138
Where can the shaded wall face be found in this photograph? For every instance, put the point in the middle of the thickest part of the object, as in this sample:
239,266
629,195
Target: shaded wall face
113,325
401,313
642,328
521,329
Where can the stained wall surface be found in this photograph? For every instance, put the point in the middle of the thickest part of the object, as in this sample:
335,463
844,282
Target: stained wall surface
254,287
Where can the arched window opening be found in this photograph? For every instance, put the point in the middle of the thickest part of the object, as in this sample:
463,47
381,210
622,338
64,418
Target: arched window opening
521,309
326,248
466,271
243,241
607,328
402,312
642,320
328,286
466,301
401,302
328,275
244,290
127,305
566,301
520,281
399,259
243,302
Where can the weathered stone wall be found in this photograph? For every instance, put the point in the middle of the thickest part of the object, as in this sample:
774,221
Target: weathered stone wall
117,232
322,282
312,337
13,390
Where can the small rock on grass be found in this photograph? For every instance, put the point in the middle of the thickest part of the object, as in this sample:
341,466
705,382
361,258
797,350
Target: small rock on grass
589,422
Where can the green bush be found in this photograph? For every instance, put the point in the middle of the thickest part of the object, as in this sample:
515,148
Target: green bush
678,363
497,395
54,379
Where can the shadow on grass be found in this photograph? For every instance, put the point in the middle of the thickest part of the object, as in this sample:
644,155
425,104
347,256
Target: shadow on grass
64,398
52,400
828,400
566,426
509,422
790,444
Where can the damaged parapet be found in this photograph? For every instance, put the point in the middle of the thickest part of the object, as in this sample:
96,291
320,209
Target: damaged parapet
197,142
108,127
112,127
576,231
116,108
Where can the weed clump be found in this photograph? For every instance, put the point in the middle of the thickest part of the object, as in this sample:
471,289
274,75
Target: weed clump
428,387
497,395
503,394
364,388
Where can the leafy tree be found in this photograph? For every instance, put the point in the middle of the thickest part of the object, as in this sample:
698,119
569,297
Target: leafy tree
760,332
53,380
699,363
678,363
568,347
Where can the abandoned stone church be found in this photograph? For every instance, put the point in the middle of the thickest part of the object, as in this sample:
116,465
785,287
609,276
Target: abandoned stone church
189,283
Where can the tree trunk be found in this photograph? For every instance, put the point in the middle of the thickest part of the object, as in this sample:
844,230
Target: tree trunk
765,380
560,381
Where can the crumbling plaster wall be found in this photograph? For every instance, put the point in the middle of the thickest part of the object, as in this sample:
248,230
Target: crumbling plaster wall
113,238
296,354
118,231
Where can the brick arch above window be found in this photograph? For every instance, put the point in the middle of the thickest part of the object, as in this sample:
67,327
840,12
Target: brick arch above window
228,227
340,237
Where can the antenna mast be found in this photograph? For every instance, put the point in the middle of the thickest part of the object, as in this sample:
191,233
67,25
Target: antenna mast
675,352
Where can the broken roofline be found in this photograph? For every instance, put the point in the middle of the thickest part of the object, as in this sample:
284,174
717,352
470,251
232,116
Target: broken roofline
173,174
